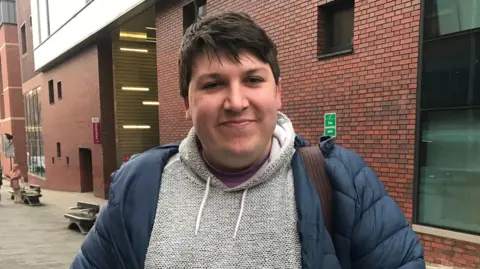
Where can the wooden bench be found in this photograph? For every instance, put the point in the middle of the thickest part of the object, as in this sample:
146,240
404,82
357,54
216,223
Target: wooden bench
82,217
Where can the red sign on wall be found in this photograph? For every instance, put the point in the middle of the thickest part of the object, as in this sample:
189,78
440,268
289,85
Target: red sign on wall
96,130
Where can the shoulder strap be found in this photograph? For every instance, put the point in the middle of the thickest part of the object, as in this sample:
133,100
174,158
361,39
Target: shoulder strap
314,163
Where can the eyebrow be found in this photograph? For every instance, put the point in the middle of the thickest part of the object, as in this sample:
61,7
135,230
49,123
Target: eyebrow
218,75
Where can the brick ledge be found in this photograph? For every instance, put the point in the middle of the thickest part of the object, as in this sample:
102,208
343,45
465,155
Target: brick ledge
446,233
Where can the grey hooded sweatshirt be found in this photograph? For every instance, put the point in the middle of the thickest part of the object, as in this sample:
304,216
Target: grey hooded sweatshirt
202,223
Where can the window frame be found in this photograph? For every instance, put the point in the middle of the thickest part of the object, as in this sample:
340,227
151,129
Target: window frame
34,136
23,37
51,92
420,110
325,28
59,90
194,5
59,150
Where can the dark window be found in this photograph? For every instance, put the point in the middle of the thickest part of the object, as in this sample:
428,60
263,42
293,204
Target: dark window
51,92
53,160
335,27
192,11
59,90
68,160
59,150
446,72
449,143
476,80
443,17
31,23
24,39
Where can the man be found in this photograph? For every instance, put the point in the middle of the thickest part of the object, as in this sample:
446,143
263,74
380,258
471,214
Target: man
233,193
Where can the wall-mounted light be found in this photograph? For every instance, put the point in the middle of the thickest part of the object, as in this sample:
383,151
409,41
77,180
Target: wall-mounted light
134,50
150,103
137,35
136,126
150,28
135,89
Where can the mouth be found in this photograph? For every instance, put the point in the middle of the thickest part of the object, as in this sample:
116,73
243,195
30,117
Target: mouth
236,123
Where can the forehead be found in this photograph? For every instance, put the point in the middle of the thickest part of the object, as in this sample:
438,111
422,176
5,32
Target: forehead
225,63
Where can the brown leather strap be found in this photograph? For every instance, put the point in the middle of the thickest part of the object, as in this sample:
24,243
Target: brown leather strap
315,166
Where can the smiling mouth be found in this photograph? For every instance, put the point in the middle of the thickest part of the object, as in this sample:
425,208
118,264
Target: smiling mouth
236,124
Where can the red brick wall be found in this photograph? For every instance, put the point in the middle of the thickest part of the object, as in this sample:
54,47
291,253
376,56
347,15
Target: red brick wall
451,252
373,90
169,23
23,16
69,121
12,120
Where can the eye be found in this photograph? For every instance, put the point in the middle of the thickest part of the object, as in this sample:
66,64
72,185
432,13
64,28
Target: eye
254,80
211,85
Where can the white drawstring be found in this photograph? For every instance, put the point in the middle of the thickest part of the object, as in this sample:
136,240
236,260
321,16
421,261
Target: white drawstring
204,200
205,196
241,212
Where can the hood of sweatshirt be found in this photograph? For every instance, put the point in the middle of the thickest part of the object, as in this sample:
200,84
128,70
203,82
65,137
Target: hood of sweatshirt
281,152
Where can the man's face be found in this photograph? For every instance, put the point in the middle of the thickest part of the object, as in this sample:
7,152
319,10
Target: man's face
233,107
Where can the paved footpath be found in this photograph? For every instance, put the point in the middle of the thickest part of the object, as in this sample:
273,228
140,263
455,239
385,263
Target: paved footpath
37,237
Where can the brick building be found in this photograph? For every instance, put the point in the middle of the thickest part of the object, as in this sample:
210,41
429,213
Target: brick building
403,77
12,119
86,90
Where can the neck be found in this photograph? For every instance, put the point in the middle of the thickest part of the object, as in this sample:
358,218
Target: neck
225,167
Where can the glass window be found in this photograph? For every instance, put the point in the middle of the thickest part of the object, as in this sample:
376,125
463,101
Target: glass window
335,22
449,147
24,39
33,128
444,17
446,72
450,169
59,90
51,92
192,11
476,85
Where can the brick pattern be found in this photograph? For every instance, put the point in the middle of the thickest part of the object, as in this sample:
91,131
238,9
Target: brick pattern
169,24
69,121
373,91
27,61
12,101
451,252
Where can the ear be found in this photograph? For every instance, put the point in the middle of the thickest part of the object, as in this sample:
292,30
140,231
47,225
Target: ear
188,116
278,94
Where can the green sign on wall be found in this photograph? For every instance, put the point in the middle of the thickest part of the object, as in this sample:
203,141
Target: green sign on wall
330,124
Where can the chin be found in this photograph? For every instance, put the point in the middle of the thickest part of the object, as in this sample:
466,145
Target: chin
244,148
240,151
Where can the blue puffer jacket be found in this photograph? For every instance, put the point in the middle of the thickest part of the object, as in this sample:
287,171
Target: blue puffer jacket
370,231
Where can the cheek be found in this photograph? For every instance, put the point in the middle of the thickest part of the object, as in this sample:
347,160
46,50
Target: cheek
203,111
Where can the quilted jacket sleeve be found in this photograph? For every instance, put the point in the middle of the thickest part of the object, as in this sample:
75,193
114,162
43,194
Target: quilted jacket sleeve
96,251
381,236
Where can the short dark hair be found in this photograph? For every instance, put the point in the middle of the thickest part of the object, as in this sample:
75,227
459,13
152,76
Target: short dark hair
230,33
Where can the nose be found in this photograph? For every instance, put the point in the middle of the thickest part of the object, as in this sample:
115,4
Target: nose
236,100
